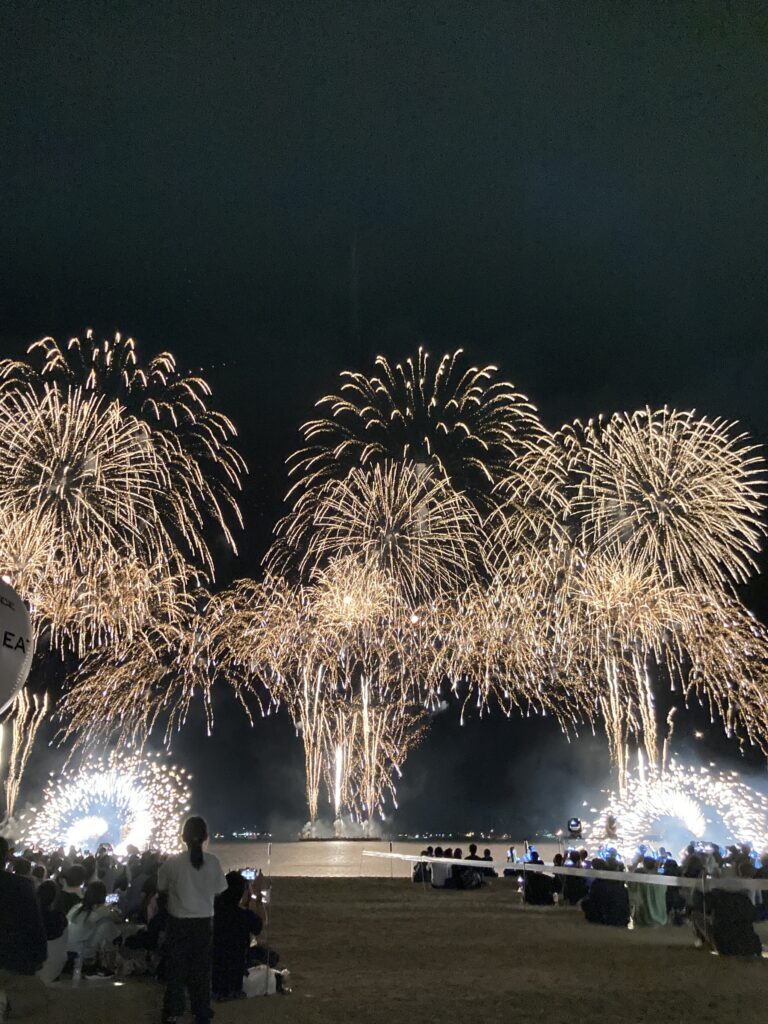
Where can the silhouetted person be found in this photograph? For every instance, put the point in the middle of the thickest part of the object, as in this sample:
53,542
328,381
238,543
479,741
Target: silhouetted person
725,918
574,886
675,897
648,901
421,872
538,888
234,925
23,945
607,902
489,872
192,881
71,892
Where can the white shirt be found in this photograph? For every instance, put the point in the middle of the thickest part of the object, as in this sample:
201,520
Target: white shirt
87,934
440,875
191,890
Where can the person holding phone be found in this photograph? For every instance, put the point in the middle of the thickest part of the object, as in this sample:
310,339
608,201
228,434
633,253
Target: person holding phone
192,880
92,926
235,925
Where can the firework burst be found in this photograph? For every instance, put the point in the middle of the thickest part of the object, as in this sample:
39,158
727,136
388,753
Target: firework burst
125,800
193,442
154,675
462,422
686,802
640,524
349,659
399,518
459,422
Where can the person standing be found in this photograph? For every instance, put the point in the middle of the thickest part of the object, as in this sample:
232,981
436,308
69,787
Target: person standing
192,880
23,945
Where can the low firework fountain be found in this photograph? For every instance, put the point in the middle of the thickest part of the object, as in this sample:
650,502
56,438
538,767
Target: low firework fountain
681,803
131,800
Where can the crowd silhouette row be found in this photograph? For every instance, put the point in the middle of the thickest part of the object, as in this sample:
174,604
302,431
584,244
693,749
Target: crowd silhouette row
72,915
722,919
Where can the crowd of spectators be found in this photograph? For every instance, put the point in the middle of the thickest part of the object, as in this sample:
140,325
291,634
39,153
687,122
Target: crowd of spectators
468,872
722,917
72,915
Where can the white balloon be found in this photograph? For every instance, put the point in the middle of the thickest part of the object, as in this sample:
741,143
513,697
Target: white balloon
16,644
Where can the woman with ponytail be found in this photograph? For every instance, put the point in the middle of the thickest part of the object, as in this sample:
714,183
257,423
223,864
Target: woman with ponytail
192,881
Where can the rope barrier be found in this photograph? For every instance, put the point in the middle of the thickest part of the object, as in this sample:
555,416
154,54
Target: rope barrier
734,884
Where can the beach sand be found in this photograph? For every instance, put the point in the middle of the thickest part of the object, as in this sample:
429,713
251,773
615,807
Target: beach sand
380,950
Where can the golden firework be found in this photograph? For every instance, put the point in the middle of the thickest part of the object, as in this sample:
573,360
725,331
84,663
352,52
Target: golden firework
365,746
463,423
193,441
27,714
153,676
683,493
459,422
638,525
400,518
349,659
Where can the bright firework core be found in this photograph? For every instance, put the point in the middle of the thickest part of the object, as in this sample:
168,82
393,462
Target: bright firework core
679,804
123,800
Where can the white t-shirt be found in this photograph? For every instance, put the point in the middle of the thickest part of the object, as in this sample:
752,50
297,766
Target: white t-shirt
191,890
440,875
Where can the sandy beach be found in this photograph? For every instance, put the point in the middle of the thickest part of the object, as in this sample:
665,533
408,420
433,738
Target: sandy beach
380,951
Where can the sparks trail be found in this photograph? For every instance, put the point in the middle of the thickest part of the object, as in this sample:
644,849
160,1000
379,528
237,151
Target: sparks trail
125,800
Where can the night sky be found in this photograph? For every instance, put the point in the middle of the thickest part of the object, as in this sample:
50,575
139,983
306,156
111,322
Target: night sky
276,191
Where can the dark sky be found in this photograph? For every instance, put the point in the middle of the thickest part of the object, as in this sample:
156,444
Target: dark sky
576,191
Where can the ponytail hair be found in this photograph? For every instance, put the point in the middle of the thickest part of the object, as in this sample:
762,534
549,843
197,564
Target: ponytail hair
95,896
194,834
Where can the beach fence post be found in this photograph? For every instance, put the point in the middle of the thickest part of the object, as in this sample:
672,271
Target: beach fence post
268,914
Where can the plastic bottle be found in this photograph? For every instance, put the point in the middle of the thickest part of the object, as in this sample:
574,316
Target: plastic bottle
77,970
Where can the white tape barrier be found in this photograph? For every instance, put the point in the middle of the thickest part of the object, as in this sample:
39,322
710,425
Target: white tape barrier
520,867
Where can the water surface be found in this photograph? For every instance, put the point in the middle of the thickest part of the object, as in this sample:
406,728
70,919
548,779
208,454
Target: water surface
339,858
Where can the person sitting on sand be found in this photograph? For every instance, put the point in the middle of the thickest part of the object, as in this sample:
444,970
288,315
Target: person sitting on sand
472,855
674,896
538,888
723,919
234,925
607,902
70,888
421,872
442,874
648,902
93,926
463,876
574,886
490,871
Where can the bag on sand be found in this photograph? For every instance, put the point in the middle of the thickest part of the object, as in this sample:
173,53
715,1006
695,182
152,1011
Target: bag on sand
266,981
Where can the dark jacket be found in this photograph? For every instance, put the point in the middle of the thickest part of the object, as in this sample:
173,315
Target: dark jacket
539,889
607,903
23,945
731,917
232,930
65,901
